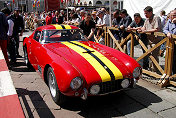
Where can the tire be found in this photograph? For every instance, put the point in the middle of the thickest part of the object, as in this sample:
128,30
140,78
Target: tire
56,95
26,60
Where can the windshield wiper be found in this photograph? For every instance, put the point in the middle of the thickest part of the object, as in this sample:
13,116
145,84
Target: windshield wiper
53,33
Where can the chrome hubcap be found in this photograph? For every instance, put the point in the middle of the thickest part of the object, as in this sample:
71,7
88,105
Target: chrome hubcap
52,84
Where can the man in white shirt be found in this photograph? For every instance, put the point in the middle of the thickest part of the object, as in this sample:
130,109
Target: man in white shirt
100,23
10,30
106,18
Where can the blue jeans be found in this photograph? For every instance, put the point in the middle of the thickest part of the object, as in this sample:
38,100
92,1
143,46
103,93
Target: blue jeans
145,41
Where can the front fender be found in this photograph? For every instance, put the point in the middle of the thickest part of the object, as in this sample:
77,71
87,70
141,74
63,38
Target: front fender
64,73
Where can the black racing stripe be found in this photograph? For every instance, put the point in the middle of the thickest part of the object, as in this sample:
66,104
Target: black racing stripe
63,26
103,64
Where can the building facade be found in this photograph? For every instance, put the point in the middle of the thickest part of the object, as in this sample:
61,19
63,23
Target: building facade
24,5
115,4
28,5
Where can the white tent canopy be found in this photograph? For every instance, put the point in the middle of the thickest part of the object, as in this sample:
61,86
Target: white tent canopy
137,6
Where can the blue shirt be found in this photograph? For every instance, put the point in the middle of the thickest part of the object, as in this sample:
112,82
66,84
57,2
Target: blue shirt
170,27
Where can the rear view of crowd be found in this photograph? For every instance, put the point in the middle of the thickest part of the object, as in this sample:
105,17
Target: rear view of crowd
88,21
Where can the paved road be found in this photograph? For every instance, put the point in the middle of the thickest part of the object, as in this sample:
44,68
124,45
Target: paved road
147,100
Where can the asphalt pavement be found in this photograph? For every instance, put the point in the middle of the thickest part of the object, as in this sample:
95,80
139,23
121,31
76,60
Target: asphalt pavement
147,100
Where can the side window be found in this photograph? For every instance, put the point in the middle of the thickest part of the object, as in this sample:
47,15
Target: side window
37,35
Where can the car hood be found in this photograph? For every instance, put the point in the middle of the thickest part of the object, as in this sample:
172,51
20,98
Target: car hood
91,60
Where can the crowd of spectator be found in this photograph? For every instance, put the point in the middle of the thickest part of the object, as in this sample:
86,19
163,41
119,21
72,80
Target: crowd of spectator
88,20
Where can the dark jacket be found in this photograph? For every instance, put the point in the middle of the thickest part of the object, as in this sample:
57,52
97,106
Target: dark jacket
3,26
59,20
125,22
18,24
87,28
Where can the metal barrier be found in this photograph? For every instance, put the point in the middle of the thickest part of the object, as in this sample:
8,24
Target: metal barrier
165,76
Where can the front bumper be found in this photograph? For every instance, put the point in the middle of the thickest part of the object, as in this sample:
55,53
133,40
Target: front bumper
109,87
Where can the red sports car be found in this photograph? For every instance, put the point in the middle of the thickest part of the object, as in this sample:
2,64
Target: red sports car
73,66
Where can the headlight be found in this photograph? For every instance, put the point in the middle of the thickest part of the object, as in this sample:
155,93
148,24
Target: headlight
136,72
95,89
125,83
76,83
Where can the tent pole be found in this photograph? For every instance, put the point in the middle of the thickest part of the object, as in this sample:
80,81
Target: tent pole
110,13
67,11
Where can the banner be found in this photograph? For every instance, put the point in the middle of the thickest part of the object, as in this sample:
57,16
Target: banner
36,3
137,6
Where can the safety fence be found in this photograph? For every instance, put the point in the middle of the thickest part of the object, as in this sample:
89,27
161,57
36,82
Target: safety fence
165,75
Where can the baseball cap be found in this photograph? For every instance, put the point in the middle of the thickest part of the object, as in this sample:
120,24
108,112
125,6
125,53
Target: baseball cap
99,12
94,12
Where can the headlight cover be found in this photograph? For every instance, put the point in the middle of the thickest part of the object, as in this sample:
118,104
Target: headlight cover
76,83
95,89
125,83
136,72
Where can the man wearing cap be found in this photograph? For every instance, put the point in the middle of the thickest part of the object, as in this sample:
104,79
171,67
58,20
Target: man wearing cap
17,29
94,16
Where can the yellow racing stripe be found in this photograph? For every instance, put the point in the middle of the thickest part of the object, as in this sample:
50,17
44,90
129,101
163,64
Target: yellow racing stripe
109,64
105,76
58,26
67,26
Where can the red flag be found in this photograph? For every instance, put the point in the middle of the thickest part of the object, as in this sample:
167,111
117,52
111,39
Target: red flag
78,1
62,1
13,1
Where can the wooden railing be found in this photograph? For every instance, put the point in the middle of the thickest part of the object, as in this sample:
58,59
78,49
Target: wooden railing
165,75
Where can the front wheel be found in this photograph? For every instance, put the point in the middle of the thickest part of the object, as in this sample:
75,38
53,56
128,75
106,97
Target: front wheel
56,95
26,60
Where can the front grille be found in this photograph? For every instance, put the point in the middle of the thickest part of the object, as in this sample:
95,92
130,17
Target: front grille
110,86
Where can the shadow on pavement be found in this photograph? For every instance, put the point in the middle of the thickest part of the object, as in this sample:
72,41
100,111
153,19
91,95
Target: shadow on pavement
113,105
38,104
21,67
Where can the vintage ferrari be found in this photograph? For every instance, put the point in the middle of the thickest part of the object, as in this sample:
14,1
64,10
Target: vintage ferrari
73,66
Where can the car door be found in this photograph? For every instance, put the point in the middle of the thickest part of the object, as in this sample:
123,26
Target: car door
39,52
35,44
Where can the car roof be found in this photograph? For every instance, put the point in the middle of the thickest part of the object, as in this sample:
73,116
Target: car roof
56,26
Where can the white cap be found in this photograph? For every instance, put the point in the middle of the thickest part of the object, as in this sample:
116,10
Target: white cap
77,9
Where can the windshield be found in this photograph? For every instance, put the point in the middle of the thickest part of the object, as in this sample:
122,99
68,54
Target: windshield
62,35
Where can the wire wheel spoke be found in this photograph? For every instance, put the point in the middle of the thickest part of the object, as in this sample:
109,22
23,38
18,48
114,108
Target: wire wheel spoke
52,84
